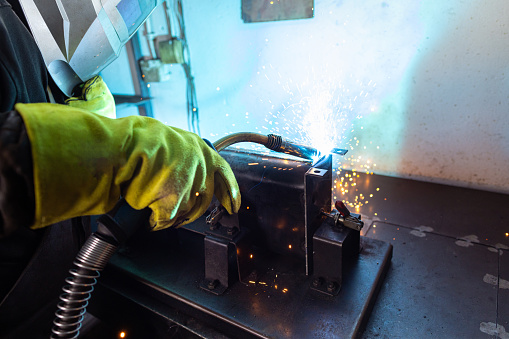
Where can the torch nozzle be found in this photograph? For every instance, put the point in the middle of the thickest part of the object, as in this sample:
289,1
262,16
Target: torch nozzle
282,145
339,151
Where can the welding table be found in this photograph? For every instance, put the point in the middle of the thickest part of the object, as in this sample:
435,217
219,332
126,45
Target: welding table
450,249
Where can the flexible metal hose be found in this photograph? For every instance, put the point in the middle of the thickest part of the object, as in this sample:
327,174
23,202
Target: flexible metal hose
91,259
113,229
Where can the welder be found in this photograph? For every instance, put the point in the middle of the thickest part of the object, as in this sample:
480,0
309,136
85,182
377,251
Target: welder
62,161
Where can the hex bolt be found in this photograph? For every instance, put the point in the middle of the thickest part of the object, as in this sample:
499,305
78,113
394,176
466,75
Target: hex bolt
331,286
212,284
317,282
230,230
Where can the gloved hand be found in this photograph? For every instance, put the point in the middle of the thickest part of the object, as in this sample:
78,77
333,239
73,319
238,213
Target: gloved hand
84,162
94,97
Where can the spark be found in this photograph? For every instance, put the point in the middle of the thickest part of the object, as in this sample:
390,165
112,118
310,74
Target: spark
324,114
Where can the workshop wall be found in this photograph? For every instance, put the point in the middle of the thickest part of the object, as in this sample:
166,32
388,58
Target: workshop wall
412,89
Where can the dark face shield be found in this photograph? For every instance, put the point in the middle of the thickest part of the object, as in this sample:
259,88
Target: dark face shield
78,38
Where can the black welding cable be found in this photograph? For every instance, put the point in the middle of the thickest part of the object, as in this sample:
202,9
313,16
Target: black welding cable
240,137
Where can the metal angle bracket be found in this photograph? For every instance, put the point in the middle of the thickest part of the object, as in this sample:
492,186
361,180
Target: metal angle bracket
317,192
333,248
220,252
220,264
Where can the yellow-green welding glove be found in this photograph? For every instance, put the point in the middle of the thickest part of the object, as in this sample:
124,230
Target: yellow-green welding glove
95,97
84,162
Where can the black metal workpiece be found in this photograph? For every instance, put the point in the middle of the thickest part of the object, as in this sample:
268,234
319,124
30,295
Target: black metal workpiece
273,200
278,197
267,209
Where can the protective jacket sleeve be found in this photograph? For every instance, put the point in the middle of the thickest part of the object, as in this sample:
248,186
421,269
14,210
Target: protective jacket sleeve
17,205
22,70
83,163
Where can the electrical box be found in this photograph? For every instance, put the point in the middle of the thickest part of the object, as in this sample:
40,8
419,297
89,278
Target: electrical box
154,70
171,51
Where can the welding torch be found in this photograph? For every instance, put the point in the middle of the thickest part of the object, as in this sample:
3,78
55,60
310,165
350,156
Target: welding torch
276,143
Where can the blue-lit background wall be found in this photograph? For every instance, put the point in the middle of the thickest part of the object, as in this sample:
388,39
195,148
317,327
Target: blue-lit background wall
415,89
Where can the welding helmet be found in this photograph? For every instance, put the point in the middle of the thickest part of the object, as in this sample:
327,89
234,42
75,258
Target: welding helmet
78,38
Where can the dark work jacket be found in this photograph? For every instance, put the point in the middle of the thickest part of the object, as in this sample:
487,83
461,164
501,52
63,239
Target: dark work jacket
33,264
22,71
